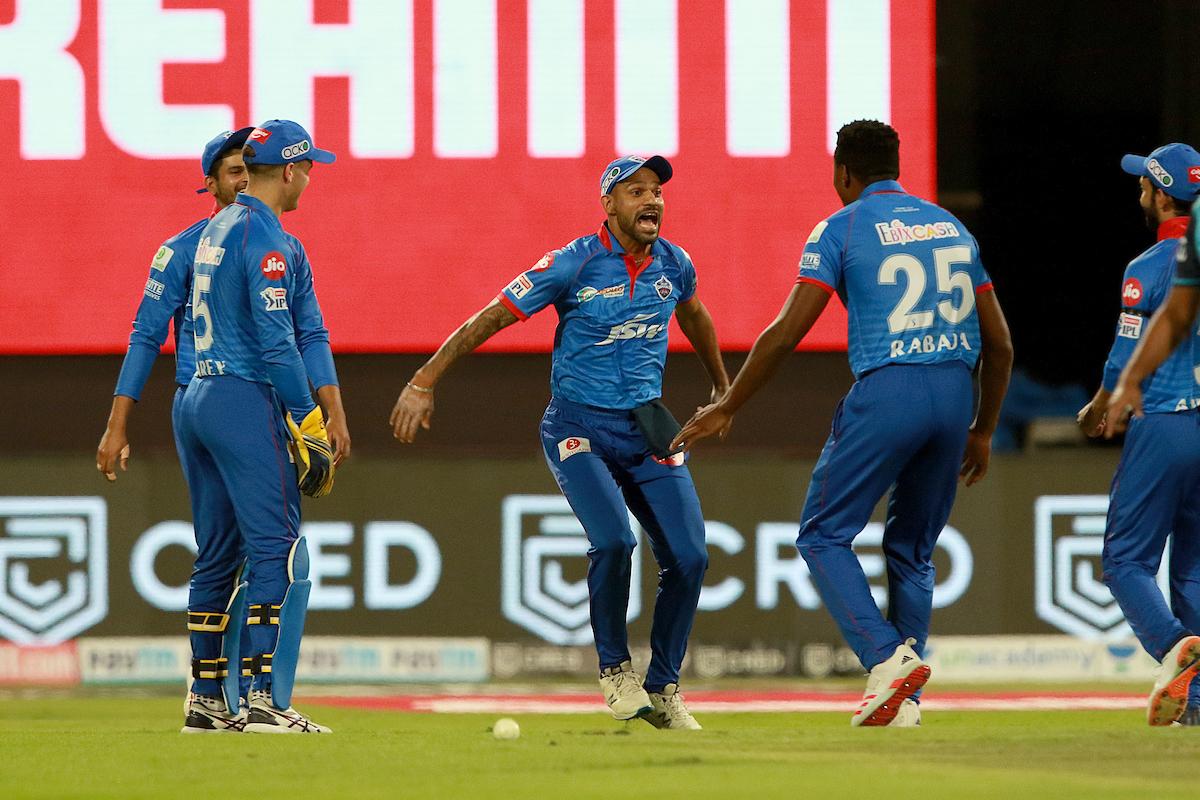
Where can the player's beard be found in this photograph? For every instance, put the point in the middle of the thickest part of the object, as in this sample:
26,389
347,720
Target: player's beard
1151,222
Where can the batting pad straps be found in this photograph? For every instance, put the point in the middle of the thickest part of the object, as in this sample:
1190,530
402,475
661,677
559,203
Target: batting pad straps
263,614
215,668
207,621
256,665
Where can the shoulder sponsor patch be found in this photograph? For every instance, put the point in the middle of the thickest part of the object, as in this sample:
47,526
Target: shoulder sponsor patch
162,258
1130,326
520,286
543,263
273,265
275,297
810,261
815,236
1131,292
573,446
154,289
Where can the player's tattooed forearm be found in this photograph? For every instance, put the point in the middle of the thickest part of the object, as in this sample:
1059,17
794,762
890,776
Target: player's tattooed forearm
478,330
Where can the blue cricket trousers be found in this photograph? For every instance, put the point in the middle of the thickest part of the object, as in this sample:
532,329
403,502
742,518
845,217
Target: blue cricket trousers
902,427
245,501
601,462
1156,494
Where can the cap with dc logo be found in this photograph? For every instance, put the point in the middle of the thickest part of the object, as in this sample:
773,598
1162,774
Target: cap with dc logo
281,141
1174,168
220,146
624,167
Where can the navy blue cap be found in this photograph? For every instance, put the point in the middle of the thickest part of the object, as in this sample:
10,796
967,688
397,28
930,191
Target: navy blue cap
625,166
281,141
220,146
1174,168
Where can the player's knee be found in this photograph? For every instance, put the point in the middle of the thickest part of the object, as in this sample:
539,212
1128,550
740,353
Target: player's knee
613,548
692,562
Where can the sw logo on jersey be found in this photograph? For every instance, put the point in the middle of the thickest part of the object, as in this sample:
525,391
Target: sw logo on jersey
663,286
1131,292
275,297
635,328
273,265
154,289
162,258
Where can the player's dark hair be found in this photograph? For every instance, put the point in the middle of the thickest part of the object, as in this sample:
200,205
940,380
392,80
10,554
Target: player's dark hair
870,150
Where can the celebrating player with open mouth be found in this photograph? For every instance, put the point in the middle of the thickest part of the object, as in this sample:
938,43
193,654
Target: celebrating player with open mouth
910,276
605,434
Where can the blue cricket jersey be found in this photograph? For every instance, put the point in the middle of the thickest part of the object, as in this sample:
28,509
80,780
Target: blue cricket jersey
611,342
165,299
1148,278
245,275
907,271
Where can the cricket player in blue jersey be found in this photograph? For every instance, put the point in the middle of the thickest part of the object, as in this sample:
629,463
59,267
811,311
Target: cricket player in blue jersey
605,433
252,437
1155,493
922,314
165,303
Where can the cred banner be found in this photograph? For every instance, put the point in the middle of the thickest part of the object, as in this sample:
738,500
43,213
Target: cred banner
471,135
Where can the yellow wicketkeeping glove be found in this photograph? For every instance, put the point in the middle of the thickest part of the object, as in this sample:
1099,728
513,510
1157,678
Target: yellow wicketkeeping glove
313,453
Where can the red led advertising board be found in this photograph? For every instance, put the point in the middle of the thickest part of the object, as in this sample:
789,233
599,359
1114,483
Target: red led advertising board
470,134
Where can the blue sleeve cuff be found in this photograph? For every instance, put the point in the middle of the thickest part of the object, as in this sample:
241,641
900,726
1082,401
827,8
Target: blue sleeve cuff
135,370
318,362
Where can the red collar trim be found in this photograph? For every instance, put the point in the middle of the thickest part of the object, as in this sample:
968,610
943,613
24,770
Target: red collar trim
605,237
1173,228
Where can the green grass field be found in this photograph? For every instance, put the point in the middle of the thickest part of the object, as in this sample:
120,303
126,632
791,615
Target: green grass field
129,747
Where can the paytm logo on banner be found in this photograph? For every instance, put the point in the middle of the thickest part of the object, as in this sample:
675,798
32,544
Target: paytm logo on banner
53,567
1068,589
541,541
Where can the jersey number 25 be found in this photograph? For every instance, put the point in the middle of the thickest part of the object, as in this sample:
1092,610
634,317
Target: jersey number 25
903,317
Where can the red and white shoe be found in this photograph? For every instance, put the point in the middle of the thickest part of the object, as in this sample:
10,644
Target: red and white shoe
1179,667
890,684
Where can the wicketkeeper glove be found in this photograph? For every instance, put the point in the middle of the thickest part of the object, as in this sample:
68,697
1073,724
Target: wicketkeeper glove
313,453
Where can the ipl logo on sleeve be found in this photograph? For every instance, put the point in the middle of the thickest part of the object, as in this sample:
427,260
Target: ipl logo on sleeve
53,567
1068,590
543,584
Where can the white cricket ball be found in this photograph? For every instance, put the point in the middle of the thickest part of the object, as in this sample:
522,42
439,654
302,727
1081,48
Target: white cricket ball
506,728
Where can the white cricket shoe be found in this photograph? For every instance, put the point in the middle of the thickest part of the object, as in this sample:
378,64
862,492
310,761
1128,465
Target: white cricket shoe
890,684
909,715
265,718
210,715
669,711
623,692
1169,697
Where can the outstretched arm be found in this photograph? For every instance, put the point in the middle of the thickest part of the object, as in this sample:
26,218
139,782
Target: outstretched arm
414,407
773,345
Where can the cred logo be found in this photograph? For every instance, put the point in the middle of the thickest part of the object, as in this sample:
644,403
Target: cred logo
1194,174
259,135
1131,292
273,266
